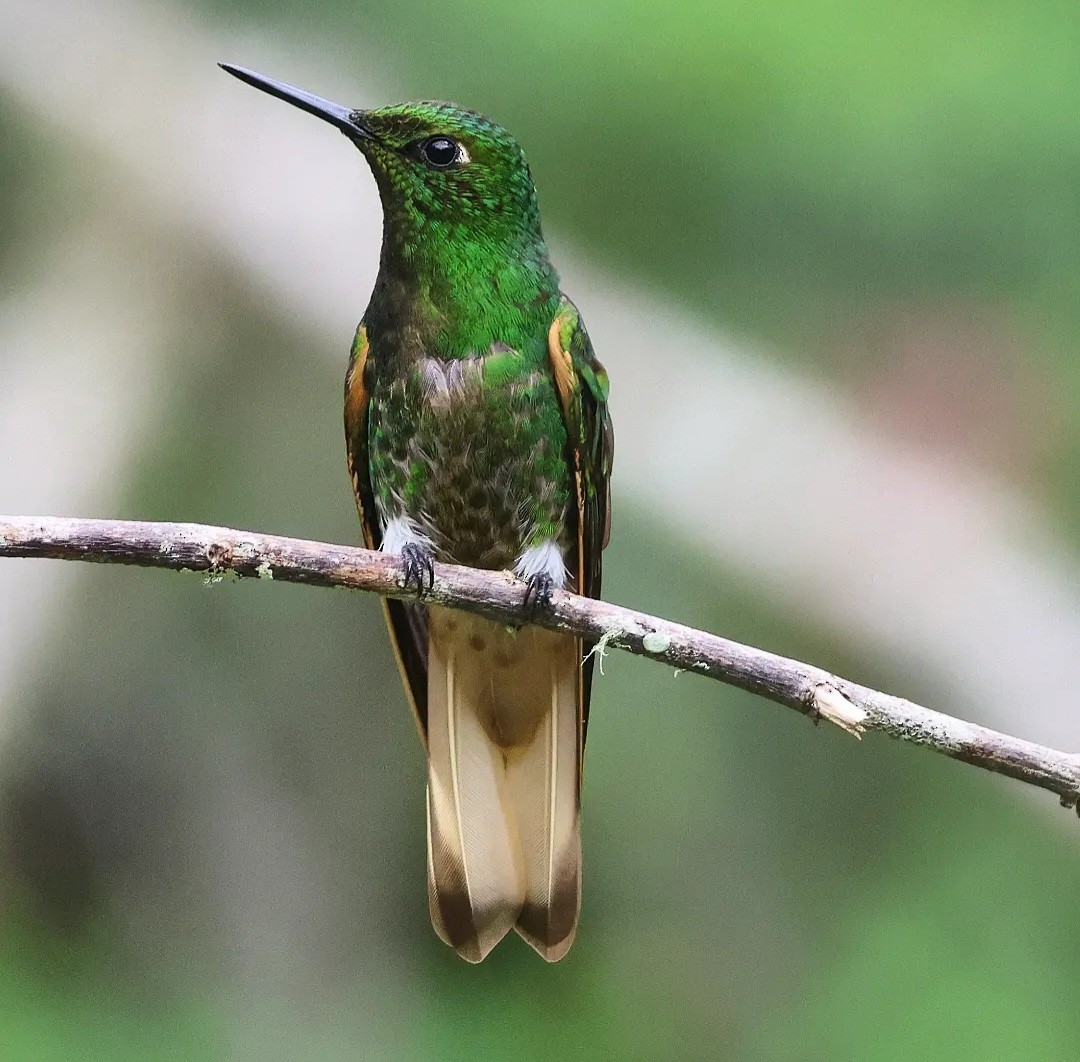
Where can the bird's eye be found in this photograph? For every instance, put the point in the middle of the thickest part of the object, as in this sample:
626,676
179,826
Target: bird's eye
441,152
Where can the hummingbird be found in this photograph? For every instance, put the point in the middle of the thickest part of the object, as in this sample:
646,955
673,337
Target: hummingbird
477,433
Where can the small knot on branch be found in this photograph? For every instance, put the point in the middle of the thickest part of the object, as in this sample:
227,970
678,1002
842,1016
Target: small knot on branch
220,561
219,555
826,701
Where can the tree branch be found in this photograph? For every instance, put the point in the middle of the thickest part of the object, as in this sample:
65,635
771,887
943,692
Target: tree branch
220,551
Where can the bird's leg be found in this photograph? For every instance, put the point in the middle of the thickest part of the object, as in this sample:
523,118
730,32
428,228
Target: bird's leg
418,560
539,588
543,570
401,536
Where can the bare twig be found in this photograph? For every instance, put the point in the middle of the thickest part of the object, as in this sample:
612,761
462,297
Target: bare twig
219,551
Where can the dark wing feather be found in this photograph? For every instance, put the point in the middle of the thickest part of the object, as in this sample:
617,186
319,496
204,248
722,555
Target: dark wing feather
583,390
406,622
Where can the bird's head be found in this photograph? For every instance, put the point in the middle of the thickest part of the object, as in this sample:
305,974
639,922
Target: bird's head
441,170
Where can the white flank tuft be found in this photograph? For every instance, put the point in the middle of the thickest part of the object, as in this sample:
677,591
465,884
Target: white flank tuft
399,532
543,559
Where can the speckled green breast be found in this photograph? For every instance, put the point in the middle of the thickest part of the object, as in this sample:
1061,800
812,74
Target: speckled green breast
473,451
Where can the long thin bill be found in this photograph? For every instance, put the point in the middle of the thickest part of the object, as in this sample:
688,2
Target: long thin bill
333,113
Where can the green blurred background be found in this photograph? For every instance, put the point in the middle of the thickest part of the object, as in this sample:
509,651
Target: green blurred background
212,798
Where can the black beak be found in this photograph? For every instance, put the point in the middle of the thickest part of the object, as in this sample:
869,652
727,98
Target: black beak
347,121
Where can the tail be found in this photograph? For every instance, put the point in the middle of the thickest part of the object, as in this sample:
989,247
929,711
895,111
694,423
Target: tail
504,784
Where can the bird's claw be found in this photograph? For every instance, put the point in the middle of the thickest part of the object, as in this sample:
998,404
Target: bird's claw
418,563
538,593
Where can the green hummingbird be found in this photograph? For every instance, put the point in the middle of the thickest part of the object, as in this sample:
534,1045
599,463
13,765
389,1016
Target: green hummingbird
478,433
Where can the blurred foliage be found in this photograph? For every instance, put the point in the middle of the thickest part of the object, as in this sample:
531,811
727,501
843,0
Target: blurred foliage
29,174
54,1003
967,966
234,767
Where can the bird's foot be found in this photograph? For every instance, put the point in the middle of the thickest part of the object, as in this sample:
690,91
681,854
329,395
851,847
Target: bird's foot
418,562
538,593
